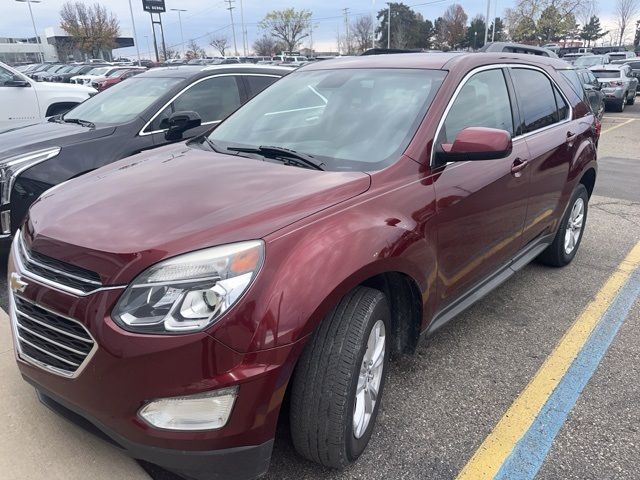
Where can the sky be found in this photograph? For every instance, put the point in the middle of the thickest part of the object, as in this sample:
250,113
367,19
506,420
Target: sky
205,18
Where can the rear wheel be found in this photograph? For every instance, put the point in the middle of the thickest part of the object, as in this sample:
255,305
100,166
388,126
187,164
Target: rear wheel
338,383
567,240
622,103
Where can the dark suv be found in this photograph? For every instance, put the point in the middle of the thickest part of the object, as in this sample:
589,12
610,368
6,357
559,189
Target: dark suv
172,300
154,108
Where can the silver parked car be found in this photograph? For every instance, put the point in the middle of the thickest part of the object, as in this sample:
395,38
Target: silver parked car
588,61
618,85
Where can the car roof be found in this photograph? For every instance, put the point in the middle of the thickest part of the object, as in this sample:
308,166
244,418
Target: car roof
434,61
195,71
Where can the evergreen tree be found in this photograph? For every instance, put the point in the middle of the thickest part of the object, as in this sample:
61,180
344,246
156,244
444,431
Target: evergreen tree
592,31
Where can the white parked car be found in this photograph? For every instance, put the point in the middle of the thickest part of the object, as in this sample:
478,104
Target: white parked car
24,101
97,72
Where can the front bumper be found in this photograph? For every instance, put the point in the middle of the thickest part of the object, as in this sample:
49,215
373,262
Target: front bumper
238,463
127,370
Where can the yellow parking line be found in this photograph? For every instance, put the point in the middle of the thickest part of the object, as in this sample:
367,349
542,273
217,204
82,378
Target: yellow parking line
495,449
617,126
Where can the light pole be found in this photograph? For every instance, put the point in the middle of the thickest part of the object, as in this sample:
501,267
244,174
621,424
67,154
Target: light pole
180,10
373,23
135,35
486,22
33,22
233,26
475,39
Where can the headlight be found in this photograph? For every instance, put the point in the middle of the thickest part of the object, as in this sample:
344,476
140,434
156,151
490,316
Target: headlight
12,167
189,292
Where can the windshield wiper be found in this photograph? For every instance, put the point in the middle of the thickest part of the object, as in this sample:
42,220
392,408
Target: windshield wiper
281,153
84,123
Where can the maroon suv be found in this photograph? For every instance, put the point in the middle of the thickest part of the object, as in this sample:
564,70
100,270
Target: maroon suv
171,301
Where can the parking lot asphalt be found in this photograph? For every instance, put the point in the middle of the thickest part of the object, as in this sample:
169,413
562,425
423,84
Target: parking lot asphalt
440,404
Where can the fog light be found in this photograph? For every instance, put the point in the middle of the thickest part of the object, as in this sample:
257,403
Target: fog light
203,411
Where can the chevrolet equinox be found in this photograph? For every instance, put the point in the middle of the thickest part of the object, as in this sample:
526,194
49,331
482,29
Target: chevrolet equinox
171,301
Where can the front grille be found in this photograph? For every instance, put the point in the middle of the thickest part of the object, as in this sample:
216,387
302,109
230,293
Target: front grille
56,271
49,340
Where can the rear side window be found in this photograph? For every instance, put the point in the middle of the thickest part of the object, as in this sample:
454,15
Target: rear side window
607,73
213,99
536,99
575,81
258,83
482,102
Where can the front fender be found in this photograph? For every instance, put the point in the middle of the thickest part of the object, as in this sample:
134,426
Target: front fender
307,270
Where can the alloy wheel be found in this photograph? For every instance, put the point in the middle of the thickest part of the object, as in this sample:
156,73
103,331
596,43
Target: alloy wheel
369,379
574,226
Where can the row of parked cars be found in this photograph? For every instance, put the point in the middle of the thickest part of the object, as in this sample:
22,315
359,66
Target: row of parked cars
611,79
200,245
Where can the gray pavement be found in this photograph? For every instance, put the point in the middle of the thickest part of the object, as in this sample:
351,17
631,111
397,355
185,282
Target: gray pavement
440,404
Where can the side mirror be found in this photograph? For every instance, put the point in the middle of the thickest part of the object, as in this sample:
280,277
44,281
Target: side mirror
477,143
180,122
17,83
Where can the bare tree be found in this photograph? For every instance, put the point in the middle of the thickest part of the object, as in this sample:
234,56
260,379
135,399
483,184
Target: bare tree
455,25
194,50
265,46
171,53
626,10
92,28
361,33
289,25
220,43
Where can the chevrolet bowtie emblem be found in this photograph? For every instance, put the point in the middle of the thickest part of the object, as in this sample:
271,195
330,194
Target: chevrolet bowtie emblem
16,283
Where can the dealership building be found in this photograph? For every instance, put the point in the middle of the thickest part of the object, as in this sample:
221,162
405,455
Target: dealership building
56,44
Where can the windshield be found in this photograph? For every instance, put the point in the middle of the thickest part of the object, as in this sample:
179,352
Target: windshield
98,71
606,73
349,119
589,61
123,102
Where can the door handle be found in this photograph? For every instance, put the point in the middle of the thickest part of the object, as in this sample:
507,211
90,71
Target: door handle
518,165
571,136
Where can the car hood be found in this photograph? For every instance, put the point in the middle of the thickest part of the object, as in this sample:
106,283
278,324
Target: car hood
64,88
120,219
44,134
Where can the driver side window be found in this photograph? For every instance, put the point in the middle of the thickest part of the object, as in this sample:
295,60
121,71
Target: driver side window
213,99
482,102
6,76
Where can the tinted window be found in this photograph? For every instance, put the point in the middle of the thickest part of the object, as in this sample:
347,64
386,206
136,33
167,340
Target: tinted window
536,98
563,108
482,102
213,99
6,76
607,73
258,84
574,81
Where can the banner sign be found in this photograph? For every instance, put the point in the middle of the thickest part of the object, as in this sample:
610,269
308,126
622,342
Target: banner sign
153,6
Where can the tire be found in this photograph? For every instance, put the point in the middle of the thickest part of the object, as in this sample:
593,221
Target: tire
632,99
326,380
622,104
556,254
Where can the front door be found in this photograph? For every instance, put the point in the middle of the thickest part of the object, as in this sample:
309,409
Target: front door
18,105
481,205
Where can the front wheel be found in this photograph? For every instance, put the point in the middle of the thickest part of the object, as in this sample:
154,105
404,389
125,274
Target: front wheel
338,383
567,240
632,99
622,103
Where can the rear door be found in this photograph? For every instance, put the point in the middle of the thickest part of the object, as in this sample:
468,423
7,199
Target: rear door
481,204
552,136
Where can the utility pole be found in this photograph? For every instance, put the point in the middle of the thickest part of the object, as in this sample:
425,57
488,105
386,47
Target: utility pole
135,35
245,45
486,23
233,26
35,30
389,26
493,30
347,41
179,10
